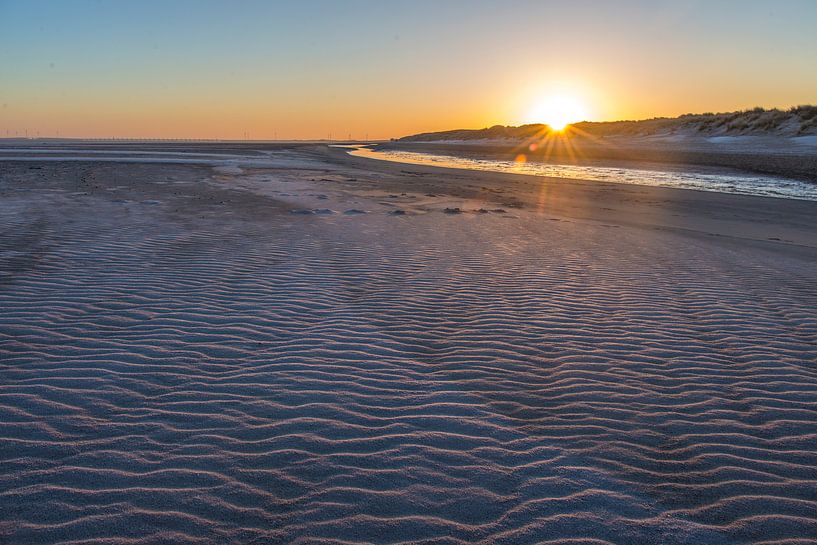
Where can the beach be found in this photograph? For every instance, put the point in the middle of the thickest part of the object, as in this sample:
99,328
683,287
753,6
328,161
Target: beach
283,343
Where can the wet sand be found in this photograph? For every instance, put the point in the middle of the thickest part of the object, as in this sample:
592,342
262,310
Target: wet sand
298,346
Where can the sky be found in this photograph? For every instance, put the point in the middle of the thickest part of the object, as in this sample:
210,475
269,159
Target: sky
234,69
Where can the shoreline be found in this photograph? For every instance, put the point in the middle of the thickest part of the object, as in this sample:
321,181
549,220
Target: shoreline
795,163
746,217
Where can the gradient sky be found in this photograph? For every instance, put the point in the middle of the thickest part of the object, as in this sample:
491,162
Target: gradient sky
218,69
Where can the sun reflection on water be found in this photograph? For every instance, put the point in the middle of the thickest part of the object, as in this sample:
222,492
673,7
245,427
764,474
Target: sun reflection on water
722,182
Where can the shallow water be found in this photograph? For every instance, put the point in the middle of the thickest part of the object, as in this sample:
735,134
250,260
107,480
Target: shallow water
721,182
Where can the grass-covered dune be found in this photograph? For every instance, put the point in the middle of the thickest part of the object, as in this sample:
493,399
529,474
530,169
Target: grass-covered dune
796,121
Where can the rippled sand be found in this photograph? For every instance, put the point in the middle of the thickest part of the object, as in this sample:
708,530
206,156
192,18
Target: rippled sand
200,355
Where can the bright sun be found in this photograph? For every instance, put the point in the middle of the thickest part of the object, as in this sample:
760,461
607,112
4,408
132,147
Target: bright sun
558,111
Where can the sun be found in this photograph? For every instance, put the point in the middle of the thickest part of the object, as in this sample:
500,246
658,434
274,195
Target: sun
558,111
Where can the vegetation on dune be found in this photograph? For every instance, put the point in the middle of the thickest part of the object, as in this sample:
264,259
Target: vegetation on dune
796,121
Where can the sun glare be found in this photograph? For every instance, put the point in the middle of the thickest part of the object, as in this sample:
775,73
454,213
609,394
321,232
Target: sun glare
558,112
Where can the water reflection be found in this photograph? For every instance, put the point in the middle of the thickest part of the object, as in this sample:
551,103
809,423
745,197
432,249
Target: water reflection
745,184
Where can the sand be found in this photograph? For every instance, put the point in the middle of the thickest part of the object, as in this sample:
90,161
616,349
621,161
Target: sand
303,347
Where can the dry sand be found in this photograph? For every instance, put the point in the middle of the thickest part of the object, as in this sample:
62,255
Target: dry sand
303,347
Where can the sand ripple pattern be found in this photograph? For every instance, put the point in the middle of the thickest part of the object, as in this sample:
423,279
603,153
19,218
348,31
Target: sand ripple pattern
378,379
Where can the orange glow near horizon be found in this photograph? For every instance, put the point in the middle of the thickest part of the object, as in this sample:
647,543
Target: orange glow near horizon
228,111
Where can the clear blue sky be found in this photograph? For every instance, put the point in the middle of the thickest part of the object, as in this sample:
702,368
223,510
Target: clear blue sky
302,69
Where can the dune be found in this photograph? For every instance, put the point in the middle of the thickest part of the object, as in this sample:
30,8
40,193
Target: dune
798,121
199,350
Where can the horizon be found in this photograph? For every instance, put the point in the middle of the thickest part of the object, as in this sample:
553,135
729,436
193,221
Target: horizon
365,71
351,140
